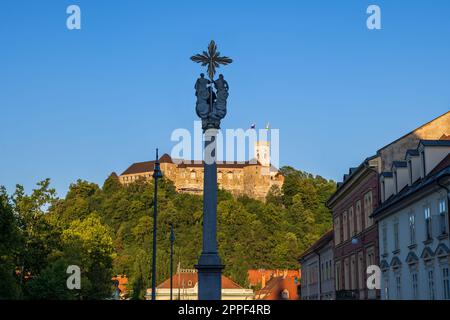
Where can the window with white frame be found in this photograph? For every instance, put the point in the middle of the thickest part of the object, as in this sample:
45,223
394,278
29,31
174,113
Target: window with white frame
422,157
358,216
353,272
338,276
410,172
384,235
442,214
446,283
428,227
396,235
412,228
368,208
322,271
398,286
346,274
415,285
361,270
337,230
386,286
345,225
351,222
431,289
395,181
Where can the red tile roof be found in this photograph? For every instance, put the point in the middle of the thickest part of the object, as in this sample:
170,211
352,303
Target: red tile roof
255,276
275,287
185,280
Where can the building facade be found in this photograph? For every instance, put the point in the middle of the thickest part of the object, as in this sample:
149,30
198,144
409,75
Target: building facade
185,287
251,178
355,234
414,226
317,268
360,193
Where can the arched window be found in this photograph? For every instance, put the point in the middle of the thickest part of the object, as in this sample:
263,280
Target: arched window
230,175
219,175
193,174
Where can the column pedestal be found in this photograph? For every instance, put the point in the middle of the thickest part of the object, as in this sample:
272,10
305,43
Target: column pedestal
209,265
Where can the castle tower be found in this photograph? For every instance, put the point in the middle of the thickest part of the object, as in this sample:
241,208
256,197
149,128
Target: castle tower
262,152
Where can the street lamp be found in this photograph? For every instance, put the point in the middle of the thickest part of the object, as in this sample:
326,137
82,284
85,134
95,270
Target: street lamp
156,175
172,240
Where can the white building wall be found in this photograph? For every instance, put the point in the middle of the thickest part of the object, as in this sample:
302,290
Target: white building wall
436,264
434,155
415,162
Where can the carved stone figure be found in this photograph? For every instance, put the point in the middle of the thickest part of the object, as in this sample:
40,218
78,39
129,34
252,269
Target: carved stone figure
202,93
220,105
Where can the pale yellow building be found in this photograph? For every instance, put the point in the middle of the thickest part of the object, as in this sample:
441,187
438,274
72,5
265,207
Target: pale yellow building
251,178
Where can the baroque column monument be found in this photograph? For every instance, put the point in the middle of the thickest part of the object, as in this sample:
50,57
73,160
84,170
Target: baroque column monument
211,107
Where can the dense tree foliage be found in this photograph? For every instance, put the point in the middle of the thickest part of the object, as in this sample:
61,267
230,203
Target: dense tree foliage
107,230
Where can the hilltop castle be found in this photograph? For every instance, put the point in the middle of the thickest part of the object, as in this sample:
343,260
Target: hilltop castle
250,178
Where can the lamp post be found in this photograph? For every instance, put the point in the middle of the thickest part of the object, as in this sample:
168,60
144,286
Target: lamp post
172,240
156,175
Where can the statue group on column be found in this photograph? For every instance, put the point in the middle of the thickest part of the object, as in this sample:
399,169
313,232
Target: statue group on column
211,105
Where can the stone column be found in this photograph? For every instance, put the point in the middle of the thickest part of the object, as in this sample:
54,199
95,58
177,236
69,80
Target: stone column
209,265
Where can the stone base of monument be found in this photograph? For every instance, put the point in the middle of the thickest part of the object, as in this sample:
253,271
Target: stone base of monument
209,270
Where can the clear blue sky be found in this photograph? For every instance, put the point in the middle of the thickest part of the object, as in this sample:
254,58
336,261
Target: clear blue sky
81,104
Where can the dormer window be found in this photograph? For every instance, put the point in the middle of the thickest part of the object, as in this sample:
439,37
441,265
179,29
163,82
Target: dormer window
410,172
422,156
395,181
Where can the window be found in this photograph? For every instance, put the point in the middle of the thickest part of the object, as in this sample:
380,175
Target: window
345,226
351,222
338,276
396,236
230,175
385,244
358,217
442,212
219,175
386,286
431,293
346,275
398,285
353,272
337,230
361,270
322,271
422,156
428,228
446,283
368,208
410,172
383,190
396,181
412,228
193,175
415,285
